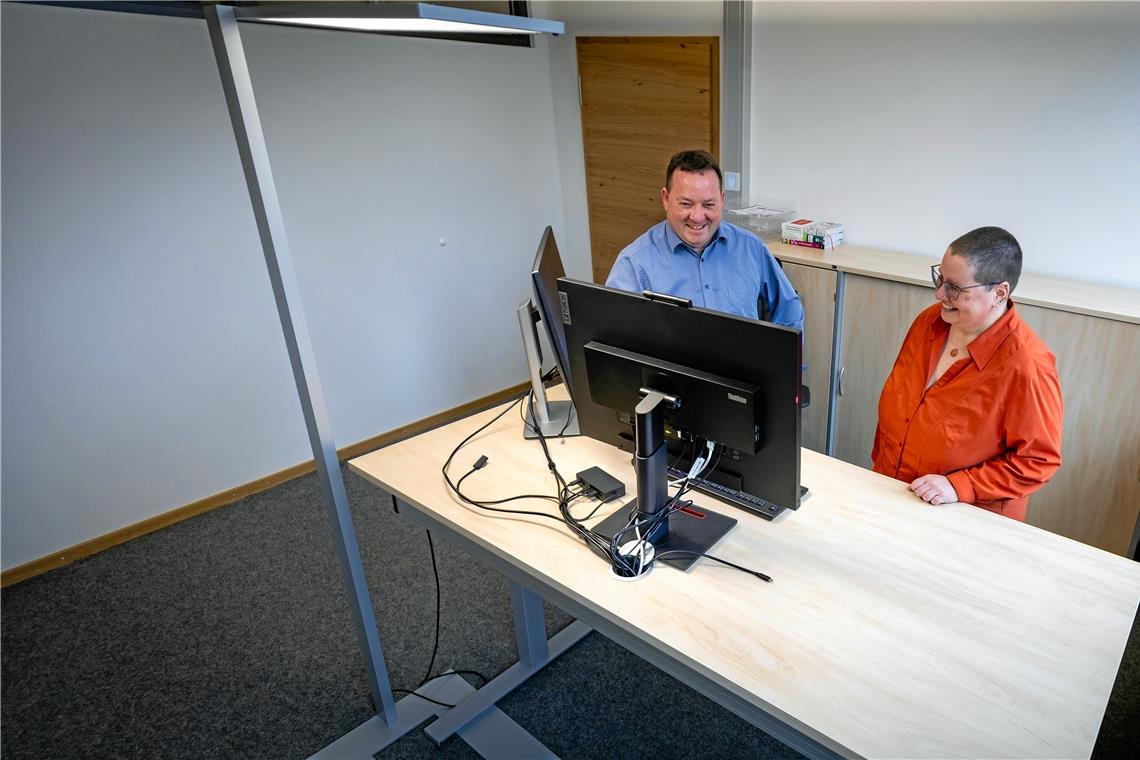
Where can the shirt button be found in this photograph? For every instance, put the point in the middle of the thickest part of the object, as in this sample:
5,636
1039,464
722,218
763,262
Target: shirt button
706,287
906,419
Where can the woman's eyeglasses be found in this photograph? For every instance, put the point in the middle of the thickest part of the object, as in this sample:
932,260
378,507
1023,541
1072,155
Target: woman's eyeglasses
952,290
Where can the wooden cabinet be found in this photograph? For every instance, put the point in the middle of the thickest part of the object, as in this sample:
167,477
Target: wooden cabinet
876,315
1095,496
816,287
1094,331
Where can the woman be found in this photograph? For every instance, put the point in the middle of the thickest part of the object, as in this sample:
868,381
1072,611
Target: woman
972,409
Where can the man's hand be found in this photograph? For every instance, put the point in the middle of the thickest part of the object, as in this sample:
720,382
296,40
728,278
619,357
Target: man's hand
935,489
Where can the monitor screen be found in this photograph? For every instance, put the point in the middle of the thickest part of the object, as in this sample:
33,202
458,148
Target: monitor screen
619,342
545,273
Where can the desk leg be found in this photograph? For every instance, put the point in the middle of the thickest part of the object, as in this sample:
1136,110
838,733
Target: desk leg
530,626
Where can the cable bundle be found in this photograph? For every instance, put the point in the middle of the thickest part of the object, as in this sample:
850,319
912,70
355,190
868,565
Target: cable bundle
627,559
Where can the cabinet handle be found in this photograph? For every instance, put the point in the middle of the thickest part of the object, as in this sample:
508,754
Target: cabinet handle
839,382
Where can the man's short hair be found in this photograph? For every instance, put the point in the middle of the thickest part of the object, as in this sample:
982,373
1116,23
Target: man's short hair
692,161
993,253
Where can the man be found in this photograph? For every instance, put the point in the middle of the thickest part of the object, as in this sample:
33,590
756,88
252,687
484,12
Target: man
695,255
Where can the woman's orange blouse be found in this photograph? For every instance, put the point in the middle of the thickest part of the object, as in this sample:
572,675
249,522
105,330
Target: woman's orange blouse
991,423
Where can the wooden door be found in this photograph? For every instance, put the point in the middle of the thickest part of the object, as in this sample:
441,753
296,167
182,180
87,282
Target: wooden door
643,99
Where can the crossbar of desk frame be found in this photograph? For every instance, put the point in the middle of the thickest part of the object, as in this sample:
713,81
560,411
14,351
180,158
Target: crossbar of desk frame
471,709
710,684
491,734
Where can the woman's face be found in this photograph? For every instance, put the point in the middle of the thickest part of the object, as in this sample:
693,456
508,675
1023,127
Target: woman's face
975,308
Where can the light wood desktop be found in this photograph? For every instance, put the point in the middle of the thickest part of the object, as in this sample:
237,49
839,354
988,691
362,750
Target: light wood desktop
892,628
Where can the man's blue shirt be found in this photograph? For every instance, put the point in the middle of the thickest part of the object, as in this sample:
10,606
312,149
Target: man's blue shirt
733,272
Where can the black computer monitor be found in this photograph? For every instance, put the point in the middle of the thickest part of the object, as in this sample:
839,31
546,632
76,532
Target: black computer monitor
737,381
545,272
545,417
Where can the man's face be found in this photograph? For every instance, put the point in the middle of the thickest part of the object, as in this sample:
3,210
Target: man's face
694,205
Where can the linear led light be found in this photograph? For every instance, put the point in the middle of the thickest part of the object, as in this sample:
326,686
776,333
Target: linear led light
397,17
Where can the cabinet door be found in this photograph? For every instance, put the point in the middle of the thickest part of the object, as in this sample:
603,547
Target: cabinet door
876,316
1095,496
816,287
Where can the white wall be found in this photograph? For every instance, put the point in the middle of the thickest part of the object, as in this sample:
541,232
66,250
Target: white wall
698,18
143,364
915,122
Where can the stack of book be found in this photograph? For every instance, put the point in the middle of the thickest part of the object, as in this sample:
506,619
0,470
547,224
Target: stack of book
812,234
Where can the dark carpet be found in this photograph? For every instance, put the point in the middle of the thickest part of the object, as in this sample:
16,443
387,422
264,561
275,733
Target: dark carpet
228,635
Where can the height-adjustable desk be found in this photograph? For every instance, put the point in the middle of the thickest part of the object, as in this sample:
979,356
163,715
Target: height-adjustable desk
892,628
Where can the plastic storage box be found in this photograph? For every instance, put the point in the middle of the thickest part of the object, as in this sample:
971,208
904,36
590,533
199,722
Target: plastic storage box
764,221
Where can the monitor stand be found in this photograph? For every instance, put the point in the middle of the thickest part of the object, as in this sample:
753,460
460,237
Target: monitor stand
554,419
691,529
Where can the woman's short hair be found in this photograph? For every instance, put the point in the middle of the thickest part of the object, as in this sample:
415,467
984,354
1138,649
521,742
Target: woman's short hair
692,161
993,253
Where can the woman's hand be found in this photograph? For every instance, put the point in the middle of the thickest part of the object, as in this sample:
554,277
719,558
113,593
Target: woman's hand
935,489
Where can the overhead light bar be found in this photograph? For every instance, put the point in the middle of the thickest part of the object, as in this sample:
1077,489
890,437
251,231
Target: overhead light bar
397,17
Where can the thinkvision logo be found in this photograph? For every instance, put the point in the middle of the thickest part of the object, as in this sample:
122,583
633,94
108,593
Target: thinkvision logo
564,307
737,399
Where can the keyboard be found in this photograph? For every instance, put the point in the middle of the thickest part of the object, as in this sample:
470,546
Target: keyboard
737,498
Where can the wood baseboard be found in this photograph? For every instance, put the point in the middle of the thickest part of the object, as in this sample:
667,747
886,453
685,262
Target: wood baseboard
151,524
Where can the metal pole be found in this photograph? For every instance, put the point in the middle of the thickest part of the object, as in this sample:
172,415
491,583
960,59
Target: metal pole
835,385
737,128
267,210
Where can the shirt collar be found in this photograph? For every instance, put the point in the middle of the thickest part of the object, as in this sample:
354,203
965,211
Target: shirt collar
982,348
673,239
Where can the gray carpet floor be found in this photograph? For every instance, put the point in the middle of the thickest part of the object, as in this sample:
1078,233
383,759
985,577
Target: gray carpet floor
228,635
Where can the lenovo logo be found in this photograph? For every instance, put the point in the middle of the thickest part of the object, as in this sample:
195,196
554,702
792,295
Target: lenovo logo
564,308
737,399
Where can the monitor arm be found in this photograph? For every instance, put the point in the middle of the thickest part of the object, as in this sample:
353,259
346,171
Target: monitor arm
651,457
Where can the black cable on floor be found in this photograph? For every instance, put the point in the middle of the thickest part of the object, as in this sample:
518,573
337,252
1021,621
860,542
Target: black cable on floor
435,646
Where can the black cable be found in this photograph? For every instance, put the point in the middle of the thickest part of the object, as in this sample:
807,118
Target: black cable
681,455
564,493
733,565
482,677
569,418
480,503
428,677
533,424
605,547
597,506
563,489
650,523
477,432
441,675
435,646
486,504
421,696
